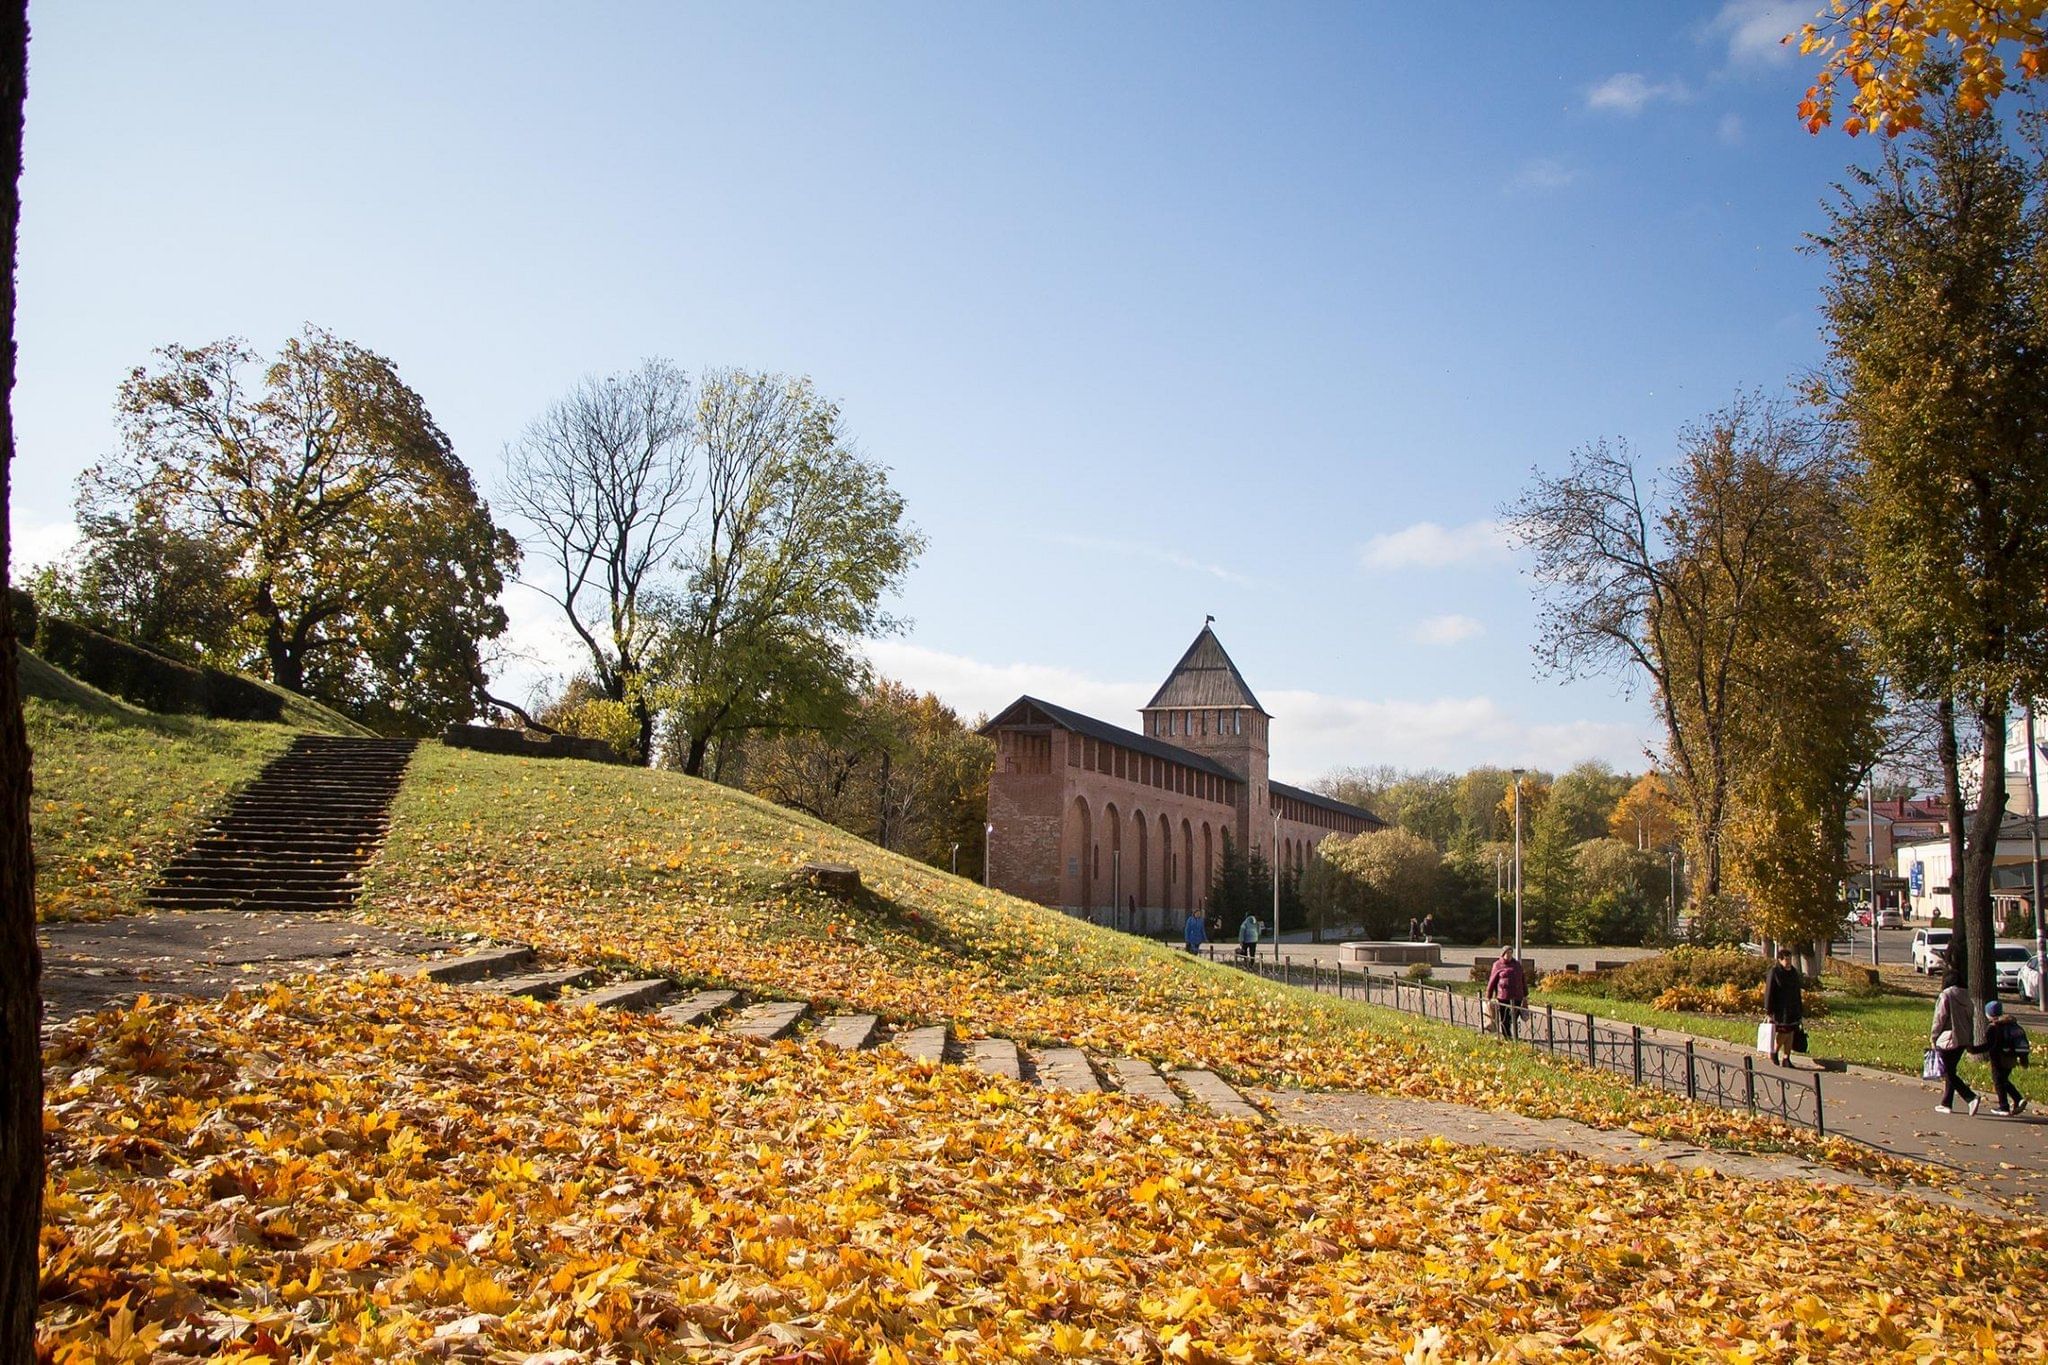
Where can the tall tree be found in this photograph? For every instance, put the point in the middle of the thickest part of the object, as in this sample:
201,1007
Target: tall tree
1937,309
21,997
366,569
607,479
138,579
1661,582
801,540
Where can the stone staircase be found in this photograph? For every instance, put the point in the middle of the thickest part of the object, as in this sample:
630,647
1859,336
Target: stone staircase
514,970
295,838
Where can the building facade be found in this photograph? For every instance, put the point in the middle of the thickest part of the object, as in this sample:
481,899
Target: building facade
1128,825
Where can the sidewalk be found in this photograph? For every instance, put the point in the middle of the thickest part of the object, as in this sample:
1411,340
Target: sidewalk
1883,1110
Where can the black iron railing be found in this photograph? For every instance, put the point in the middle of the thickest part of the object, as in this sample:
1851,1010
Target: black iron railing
1622,1049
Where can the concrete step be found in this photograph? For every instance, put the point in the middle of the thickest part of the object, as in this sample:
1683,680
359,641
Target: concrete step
1141,1080
1210,1090
644,994
769,1020
996,1056
1066,1068
927,1044
696,1009
540,985
485,962
853,1032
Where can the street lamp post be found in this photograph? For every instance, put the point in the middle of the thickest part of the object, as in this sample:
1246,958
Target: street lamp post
1518,863
1870,851
988,854
1499,927
2034,826
956,857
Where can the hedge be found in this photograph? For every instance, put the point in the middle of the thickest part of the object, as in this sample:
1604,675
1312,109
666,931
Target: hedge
154,681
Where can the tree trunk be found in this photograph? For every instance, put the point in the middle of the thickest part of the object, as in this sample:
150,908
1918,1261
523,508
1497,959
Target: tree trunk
693,756
1947,751
644,715
1974,923
21,1062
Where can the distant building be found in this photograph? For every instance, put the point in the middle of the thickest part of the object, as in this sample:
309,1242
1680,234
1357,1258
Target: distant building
1099,820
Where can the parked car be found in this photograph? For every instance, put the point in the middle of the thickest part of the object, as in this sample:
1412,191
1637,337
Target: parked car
2008,958
1930,948
2030,977
1891,917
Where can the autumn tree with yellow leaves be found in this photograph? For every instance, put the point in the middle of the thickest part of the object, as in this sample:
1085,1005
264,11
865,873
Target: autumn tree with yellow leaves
1883,50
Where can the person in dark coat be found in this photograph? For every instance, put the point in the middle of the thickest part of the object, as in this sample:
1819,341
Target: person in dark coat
2005,1047
1783,1005
1507,986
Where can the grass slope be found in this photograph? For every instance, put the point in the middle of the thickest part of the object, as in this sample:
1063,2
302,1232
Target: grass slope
699,882
360,1170
118,789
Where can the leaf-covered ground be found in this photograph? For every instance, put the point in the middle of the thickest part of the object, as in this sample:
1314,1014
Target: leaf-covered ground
375,1170
683,877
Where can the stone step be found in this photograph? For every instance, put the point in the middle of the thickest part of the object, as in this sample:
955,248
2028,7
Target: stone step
1066,1068
925,1044
485,962
201,898
540,985
1210,1090
1141,1080
644,994
769,1020
996,1056
696,1009
850,1031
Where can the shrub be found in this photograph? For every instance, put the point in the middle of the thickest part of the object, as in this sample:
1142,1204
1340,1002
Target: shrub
150,680
24,616
1723,920
1699,969
1726,999
1419,971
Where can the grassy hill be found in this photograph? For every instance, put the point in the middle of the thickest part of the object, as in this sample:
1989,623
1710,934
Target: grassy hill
118,789
696,881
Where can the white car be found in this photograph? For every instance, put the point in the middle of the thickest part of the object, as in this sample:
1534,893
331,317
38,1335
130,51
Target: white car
2030,977
1930,948
1891,917
2008,959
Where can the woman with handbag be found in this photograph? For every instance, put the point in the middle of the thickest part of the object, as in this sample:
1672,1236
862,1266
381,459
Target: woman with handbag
1784,1005
1951,1032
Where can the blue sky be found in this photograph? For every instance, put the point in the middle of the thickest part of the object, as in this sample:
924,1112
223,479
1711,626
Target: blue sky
1154,311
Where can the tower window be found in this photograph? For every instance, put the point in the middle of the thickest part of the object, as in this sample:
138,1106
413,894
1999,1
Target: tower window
1237,722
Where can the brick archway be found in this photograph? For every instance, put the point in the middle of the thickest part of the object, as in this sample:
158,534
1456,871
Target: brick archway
1141,868
1077,855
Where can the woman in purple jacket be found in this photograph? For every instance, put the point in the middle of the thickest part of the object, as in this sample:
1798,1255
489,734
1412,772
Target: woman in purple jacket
1508,988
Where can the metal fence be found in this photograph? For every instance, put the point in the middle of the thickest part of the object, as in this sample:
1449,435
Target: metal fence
1680,1068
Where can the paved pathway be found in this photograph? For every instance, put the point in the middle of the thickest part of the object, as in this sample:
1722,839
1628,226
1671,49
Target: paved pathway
2007,1158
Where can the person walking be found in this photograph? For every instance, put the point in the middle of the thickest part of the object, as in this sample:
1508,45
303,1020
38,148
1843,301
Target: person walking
1194,932
1784,1006
1428,926
1414,929
1248,936
1950,1033
2005,1046
1507,986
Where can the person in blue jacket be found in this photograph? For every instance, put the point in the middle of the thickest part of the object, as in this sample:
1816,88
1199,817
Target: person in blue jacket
1194,932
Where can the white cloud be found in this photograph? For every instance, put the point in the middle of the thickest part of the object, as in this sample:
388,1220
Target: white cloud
1755,30
1447,630
31,545
1544,174
537,652
1426,545
1730,130
1628,92
1313,732
1157,554
972,687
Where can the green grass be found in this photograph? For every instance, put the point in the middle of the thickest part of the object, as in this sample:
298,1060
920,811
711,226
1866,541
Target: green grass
118,790
1886,1029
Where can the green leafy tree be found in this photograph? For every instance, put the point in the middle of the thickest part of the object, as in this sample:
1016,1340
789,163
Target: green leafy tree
365,570
1937,311
1550,872
1588,794
140,580
1398,874
1622,894
1243,884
